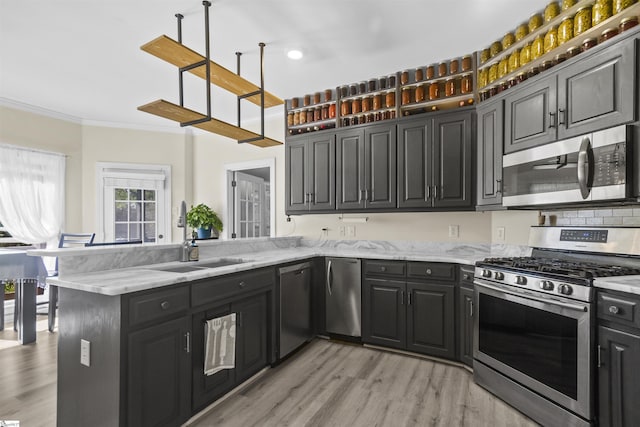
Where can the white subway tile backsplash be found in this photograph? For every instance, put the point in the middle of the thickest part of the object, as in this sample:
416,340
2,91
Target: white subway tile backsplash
631,220
595,221
636,211
563,221
603,212
612,220
578,221
623,212
588,213
570,214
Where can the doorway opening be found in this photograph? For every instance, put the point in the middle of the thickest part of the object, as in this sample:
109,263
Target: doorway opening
250,202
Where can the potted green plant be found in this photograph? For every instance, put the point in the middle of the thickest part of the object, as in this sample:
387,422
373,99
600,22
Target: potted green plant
203,219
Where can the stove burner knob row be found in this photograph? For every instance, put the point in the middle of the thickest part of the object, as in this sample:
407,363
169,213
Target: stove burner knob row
565,289
486,273
499,275
521,280
546,285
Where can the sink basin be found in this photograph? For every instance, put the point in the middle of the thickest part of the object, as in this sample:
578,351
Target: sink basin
221,262
202,265
180,268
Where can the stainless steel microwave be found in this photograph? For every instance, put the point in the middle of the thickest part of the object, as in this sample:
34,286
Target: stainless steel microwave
589,168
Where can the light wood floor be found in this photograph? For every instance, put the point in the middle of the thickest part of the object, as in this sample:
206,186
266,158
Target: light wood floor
324,384
333,384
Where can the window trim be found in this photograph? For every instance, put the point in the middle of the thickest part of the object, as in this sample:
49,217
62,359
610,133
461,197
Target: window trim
105,169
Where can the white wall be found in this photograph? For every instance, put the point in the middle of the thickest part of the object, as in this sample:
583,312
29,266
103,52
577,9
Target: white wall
197,162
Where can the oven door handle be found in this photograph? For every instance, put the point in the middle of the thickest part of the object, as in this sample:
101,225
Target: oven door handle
527,296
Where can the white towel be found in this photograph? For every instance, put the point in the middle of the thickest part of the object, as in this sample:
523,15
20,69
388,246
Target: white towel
220,344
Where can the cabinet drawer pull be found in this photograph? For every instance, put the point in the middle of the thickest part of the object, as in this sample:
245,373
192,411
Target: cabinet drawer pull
383,268
465,276
614,310
428,272
242,284
165,305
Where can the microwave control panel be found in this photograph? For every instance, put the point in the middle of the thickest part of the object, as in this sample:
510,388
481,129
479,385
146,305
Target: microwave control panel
610,165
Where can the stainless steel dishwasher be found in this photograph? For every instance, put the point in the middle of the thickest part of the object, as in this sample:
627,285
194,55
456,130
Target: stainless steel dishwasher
343,296
295,326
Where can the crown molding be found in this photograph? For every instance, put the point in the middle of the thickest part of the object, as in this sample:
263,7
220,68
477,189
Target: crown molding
17,105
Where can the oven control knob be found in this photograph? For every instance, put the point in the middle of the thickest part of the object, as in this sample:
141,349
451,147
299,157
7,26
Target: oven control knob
486,273
499,275
521,280
565,289
547,285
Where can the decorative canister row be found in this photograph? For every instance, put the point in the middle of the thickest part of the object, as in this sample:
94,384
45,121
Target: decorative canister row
443,69
552,38
438,89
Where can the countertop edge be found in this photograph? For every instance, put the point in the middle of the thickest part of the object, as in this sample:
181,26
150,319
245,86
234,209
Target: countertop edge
115,285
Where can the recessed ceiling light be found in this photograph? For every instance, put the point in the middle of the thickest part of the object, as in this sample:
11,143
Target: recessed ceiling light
294,54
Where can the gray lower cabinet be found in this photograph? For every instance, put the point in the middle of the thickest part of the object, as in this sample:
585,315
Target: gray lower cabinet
435,158
158,382
366,168
409,306
250,297
594,92
310,173
490,138
465,325
618,359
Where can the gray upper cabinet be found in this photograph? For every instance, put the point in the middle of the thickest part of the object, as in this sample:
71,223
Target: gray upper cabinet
366,168
530,115
490,139
414,163
435,161
453,156
310,173
595,92
598,92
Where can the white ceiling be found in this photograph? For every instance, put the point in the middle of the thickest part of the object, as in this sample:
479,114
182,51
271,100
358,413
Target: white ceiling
82,58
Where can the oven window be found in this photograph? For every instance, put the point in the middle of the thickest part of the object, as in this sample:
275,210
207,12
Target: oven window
541,345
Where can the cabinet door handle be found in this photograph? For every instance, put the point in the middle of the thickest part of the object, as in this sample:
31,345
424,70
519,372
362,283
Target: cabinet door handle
599,356
435,191
329,278
401,297
311,197
552,120
427,195
187,343
561,116
360,196
165,305
470,308
366,195
498,186
239,319
409,298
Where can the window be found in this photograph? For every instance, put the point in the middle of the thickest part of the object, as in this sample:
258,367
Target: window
133,203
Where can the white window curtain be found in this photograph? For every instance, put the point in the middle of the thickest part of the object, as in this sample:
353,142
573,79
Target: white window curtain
32,195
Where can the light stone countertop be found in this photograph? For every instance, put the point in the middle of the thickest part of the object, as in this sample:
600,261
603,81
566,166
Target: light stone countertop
132,279
628,284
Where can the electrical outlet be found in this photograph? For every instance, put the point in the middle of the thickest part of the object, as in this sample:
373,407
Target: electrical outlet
454,231
342,233
500,234
325,231
351,231
85,352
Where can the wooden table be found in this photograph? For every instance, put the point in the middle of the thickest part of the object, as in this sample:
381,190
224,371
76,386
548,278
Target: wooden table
24,271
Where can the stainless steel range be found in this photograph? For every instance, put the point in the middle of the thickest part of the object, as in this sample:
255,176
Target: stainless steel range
534,339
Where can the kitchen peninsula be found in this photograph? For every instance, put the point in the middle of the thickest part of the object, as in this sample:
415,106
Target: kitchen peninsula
137,309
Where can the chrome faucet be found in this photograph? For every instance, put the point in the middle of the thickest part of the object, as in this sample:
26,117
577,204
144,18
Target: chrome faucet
182,223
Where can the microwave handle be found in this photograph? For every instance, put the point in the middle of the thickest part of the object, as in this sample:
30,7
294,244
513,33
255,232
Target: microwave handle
585,166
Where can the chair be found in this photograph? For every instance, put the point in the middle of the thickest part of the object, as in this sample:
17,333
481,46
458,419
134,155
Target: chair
67,240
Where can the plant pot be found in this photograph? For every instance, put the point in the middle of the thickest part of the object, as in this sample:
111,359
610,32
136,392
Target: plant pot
9,296
204,233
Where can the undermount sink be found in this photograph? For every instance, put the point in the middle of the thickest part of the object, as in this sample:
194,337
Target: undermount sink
221,262
195,266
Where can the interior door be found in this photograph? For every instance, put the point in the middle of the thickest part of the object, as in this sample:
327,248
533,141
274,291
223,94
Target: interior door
251,215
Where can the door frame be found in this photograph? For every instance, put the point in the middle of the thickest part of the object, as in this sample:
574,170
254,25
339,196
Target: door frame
229,169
